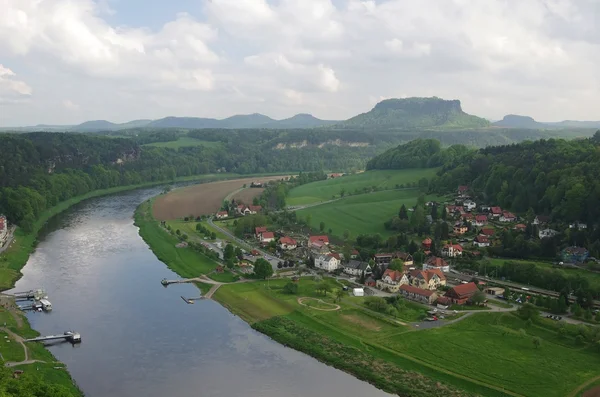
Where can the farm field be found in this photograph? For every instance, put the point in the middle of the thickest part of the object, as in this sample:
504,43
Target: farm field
202,199
185,142
324,190
362,214
247,195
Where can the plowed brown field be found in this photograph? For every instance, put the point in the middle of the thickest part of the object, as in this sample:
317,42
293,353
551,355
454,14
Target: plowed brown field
204,199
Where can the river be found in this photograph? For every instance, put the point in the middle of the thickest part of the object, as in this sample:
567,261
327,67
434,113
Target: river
141,339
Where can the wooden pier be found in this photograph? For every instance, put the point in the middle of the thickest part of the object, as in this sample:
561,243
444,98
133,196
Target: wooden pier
71,336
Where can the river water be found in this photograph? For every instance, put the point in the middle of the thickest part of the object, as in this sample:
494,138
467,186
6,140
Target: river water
141,339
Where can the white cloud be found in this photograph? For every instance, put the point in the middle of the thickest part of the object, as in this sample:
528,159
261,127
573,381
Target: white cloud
279,57
12,90
70,105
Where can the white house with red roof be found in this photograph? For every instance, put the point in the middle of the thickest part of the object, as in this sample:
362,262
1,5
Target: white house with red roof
452,250
469,205
481,241
507,217
259,230
436,263
222,215
253,209
267,237
287,243
318,241
480,220
392,280
496,212
327,262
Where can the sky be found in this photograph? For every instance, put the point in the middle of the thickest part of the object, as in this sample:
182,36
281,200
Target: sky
68,61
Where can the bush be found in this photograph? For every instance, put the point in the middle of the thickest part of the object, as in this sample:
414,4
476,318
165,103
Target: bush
291,288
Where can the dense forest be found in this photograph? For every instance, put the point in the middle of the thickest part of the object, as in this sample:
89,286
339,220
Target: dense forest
420,153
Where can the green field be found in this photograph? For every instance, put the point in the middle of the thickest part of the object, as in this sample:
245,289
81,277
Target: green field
185,142
362,214
324,190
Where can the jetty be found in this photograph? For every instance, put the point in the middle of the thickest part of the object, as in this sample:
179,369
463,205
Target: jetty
35,294
71,336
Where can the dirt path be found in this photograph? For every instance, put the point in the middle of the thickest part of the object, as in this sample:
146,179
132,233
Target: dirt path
305,298
583,386
212,291
19,339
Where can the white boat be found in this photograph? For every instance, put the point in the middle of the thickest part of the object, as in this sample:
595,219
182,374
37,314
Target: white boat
46,305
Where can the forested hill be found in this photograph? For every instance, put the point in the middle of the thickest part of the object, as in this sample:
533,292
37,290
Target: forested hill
421,113
552,177
420,153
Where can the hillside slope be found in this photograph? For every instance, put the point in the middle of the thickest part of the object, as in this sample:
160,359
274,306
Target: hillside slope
516,121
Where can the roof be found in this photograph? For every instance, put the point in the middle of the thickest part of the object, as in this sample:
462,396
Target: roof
357,265
395,275
222,213
437,272
496,210
326,258
520,226
266,235
481,218
416,291
260,230
463,188
488,232
255,208
369,280
241,206
315,239
464,290
543,218
482,239
508,214
575,250
436,262
405,256
287,240
444,300
457,247
385,255
335,255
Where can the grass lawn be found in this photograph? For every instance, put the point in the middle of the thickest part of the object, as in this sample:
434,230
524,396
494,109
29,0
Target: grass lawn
362,214
184,261
465,307
324,190
184,142
10,349
490,348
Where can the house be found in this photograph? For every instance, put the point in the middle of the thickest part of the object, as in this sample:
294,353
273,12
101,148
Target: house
507,217
354,254
488,232
253,209
256,184
246,267
485,208
480,220
222,215
467,216
267,237
436,263
494,291
287,243
547,233
404,257
496,212
578,225
383,259
427,279
452,210
358,291
426,244
356,268
520,227
318,241
462,190
327,262
370,282
259,230
240,209
452,250
319,248
460,294
418,294
574,254
460,229
469,205
220,269
392,280
541,220
481,241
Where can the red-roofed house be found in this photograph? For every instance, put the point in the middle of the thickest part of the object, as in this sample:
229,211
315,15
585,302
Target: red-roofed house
392,280
240,209
436,263
463,189
496,212
467,216
520,227
287,243
488,232
507,217
481,241
259,230
426,244
267,237
480,220
222,214
254,209
427,279
318,241
418,294
354,254
452,250
461,293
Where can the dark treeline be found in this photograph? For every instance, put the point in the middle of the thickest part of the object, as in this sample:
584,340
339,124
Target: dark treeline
420,153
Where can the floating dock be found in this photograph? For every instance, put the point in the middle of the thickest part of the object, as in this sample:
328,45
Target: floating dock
71,336
35,294
166,282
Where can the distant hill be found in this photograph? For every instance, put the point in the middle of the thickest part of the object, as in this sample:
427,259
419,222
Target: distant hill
303,120
420,113
516,121
575,124
255,120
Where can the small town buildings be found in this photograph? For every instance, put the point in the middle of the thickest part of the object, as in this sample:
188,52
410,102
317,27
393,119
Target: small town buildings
494,291
469,205
480,220
574,254
253,209
354,254
240,209
405,257
436,263
392,280
383,259
541,220
496,212
287,243
356,268
547,233
418,294
370,282
259,230
328,263
460,229
462,190
578,225
386,258
481,241
452,250
467,216
318,241
507,217
461,293
222,215
267,237
430,279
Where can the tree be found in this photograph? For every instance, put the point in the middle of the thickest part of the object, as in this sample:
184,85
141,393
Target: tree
576,310
326,288
291,288
396,264
342,192
403,213
478,297
444,214
346,234
213,236
537,342
228,252
330,231
239,253
339,294
528,311
178,232
322,226
588,315
199,227
263,269
308,219
362,278
434,212
229,263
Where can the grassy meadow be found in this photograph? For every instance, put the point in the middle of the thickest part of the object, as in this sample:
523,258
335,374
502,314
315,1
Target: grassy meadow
185,142
324,190
362,214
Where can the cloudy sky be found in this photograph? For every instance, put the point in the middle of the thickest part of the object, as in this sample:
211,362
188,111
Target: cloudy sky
67,61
